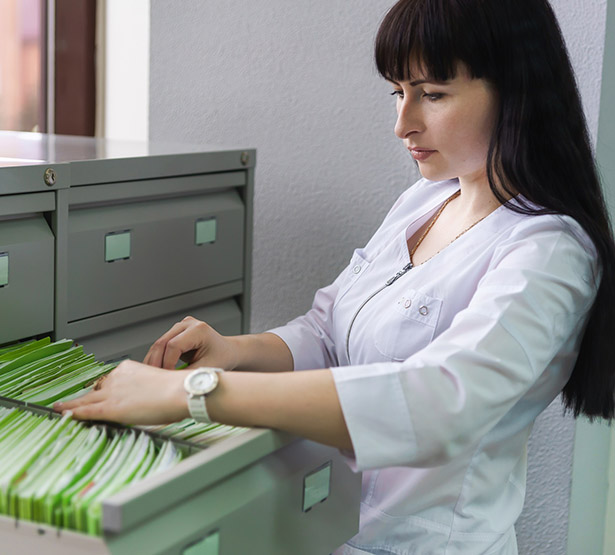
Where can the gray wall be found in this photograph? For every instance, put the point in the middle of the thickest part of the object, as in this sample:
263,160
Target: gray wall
296,81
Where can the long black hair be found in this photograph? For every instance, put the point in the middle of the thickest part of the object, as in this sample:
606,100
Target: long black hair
540,147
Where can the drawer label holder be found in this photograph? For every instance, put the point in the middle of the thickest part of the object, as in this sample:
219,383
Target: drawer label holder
316,486
4,269
205,230
117,246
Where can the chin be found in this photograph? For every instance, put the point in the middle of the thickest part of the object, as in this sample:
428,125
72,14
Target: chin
434,175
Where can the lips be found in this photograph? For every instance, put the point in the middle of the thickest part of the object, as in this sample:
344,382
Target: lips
420,154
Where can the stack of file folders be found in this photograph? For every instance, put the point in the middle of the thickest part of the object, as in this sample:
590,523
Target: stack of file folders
57,471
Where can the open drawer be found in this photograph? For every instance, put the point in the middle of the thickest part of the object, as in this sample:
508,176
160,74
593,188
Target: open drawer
260,492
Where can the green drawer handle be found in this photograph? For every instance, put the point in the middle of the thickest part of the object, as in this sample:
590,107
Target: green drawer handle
117,246
205,230
4,269
316,486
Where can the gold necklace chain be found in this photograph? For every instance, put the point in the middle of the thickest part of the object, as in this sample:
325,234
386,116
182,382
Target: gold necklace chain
433,221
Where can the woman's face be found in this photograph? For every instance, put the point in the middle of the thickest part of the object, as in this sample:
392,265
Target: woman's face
447,126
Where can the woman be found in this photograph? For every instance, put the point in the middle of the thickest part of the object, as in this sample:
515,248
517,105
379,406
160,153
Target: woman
484,293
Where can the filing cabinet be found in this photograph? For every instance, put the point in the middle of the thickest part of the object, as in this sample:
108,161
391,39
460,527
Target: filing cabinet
110,243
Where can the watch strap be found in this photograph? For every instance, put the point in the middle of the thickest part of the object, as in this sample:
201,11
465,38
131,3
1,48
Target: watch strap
197,406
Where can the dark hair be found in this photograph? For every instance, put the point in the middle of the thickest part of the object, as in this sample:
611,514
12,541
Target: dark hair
518,47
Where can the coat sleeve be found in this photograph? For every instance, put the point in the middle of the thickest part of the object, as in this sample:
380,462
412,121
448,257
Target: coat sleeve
309,336
521,330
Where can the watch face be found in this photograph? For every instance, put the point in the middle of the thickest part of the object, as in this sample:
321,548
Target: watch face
201,383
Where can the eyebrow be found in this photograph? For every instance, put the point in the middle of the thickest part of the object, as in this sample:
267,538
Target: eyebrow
417,82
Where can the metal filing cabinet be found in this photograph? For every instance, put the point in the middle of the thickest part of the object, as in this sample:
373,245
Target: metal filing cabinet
110,243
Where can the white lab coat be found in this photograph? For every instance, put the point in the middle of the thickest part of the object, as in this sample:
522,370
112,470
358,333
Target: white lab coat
449,366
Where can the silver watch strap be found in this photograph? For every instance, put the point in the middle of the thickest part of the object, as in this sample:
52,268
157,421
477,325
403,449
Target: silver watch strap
197,406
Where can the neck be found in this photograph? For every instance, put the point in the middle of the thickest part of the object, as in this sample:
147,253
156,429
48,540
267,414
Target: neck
476,197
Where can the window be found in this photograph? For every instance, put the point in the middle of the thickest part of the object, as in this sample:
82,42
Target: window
23,65
24,59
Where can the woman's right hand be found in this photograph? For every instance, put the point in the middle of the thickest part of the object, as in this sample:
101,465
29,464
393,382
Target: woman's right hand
194,342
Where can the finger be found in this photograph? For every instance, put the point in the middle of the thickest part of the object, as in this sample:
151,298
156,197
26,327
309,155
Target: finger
90,397
174,350
188,340
90,411
155,355
156,351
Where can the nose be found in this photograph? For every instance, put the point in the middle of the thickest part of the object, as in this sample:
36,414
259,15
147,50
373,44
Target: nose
408,118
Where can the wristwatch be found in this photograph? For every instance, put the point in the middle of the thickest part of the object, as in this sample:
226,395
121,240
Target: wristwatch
198,384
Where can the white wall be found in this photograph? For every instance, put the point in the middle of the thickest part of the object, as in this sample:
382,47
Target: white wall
589,491
126,79
295,80
583,24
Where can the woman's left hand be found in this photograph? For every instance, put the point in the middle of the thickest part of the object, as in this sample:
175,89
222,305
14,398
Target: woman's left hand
133,393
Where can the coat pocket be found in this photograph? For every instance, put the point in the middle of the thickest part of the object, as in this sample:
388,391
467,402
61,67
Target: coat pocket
407,326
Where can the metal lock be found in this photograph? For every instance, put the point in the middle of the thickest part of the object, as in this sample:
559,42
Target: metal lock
245,158
50,177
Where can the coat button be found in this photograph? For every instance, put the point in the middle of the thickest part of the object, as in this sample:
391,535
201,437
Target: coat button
407,303
356,269
424,310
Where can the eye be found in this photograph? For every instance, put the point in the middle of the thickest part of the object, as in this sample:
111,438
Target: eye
432,97
398,94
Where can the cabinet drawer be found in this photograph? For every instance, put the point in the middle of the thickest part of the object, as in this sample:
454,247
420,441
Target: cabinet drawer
134,341
26,278
125,255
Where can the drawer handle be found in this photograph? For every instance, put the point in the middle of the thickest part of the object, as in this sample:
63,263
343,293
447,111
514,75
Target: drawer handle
205,230
316,486
4,269
117,246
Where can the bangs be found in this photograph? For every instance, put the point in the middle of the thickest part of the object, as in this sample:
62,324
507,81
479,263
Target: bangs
429,33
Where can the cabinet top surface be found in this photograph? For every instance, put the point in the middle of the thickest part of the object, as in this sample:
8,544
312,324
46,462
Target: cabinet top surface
20,148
